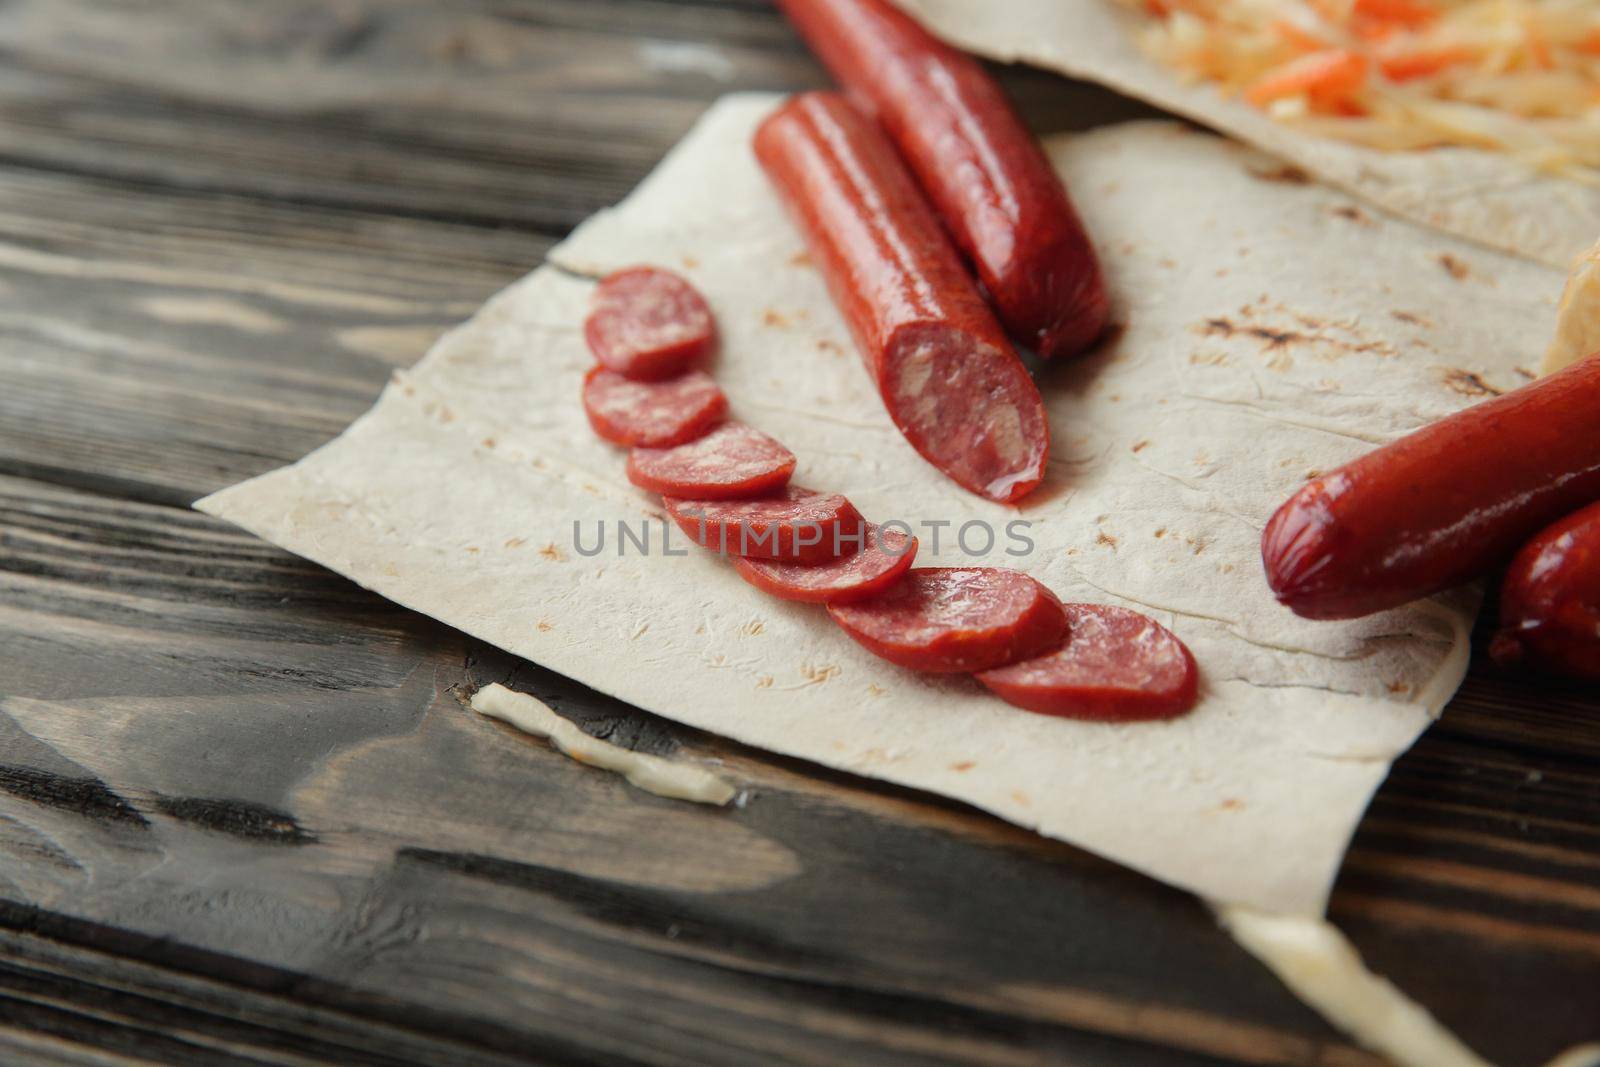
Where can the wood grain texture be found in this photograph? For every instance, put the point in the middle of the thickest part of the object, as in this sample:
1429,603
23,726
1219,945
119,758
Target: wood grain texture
244,817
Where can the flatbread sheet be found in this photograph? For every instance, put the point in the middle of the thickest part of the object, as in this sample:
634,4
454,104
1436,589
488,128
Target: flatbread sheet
1270,330
1485,196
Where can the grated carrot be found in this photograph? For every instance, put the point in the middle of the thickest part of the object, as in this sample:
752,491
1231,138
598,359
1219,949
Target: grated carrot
1298,38
1326,77
1405,66
1410,14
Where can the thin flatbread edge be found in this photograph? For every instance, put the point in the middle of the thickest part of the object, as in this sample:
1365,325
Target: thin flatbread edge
1487,197
456,494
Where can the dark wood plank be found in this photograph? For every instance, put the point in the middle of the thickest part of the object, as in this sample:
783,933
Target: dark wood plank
529,115
163,343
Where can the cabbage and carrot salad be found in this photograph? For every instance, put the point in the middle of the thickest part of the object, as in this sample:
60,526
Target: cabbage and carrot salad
1518,76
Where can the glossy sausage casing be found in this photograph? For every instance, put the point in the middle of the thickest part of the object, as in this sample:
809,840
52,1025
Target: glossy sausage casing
982,168
1550,602
1442,506
948,375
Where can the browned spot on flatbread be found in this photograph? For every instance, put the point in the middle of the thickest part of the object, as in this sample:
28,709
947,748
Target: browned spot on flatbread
1287,174
1277,329
516,542
774,318
545,626
755,628
551,552
874,689
830,347
1353,214
1021,798
488,442
1414,318
690,263
1399,687
1231,804
1468,383
1222,327
964,765
1454,267
1140,446
764,682
801,258
1530,375
1103,538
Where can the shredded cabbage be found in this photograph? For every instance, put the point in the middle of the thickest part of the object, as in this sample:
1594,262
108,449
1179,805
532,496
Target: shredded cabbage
1516,76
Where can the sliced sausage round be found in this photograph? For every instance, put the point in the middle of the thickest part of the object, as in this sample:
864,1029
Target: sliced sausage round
732,462
1116,664
794,525
956,619
653,414
648,323
883,559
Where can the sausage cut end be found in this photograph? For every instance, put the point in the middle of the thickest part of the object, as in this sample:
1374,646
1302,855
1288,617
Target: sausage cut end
969,408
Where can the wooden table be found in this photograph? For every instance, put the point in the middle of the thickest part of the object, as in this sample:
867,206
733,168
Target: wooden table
243,818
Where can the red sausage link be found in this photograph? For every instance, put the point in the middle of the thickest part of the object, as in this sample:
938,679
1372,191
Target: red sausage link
652,414
1115,665
882,560
647,323
732,462
956,619
1550,603
981,167
796,525
1442,506
949,378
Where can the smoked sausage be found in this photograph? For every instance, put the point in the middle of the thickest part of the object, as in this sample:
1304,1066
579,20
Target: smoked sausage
732,462
1550,601
1116,664
1442,506
948,619
795,525
980,166
648,323
653,414
948,376
880,562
